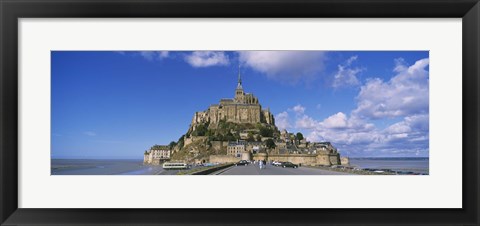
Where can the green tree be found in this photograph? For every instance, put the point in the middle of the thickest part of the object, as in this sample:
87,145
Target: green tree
172,144
270,144
209,133
200,130
266,132
230,137
181,142
250,137
299,136
222,124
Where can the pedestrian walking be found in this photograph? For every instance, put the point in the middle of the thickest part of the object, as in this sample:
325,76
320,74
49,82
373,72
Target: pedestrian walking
260,163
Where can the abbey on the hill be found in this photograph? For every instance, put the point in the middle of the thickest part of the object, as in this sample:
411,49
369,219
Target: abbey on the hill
238,128
243,108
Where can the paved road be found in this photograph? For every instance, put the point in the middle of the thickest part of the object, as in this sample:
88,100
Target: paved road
272,170
175,171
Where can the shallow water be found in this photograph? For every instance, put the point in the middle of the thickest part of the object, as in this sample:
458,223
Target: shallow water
416,165
102,167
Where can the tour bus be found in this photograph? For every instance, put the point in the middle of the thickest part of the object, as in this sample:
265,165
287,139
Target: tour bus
175,165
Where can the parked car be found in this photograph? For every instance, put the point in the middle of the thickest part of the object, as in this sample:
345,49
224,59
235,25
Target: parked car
241,163
289,164
276,163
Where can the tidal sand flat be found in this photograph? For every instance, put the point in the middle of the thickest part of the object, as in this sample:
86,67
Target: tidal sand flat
102,167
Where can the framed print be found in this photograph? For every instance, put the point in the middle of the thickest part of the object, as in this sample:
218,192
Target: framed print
265,112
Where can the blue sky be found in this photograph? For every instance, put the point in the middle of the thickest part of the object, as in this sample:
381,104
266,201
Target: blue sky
110,104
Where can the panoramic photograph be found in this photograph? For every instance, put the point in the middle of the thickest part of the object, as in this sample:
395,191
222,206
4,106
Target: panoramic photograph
282,112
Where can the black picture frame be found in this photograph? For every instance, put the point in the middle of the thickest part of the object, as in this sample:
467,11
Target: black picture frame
12,10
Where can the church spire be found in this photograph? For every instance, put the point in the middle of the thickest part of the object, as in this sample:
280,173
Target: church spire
239,85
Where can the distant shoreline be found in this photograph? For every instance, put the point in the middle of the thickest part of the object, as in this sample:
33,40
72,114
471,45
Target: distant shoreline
390,158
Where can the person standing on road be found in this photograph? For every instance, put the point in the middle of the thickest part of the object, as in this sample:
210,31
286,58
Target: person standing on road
264,164
260,163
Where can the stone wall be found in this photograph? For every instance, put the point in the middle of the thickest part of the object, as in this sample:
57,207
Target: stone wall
323,159
247,156
155,157
267,117
334,159
260,156
240,113
328,159
223,158
303,159
345,160
154,161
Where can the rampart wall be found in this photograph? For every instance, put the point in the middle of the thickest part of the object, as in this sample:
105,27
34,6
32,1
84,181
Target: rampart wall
303,159
223,158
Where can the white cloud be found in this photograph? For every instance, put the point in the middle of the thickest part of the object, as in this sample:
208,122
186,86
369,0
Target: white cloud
359,124
414,127
302,121
340,129
345,75
154,55
398,128
405,94
298,109
90,133
404,97
149,55
418,122
305,122
288,66
405,138
340,121
336,121
315,136
163,54
282,120
207,59
351,60
399,65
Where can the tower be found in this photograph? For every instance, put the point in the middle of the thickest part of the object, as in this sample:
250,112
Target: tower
239,94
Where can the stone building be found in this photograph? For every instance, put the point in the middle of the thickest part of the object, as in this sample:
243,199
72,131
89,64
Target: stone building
243,108
345,161
157,154
236,148
284,135
254,147
324,147
326,153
